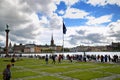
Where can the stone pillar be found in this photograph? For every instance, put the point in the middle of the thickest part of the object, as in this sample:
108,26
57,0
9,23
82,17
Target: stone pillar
7,31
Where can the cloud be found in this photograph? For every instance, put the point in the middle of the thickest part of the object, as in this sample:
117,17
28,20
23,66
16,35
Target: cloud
114,2
55,22
46,7
114,26
25,26
61,12
81,32
2,41
74,13
71,2
74,39
103,2
11,15
99,20
67,2
85,35
95,2
95,38
24,22
114,30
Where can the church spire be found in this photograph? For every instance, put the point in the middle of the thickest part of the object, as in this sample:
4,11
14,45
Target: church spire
52,40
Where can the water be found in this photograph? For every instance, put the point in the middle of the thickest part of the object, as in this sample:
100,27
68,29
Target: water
70,53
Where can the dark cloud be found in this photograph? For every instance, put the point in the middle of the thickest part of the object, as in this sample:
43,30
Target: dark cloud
11,15
116,35
21,16
114,30
74,39
38,6
95,37
17,39
26,32
81,32
79,38
86,39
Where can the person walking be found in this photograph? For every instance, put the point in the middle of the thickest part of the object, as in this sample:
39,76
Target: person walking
53,59
46,59
59,58
7,73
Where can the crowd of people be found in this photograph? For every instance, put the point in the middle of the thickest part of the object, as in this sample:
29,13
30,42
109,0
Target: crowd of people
81,58
98,58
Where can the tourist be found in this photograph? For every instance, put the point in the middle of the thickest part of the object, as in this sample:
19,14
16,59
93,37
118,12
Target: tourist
102,58
70,58
59,58
109,58
84,58
7,73
53,58
46,59
106,58
98,58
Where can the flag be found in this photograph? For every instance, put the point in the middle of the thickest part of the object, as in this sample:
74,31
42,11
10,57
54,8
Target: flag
64,29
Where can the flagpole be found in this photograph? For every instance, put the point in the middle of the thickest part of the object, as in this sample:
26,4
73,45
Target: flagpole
63,42
63,37
64,32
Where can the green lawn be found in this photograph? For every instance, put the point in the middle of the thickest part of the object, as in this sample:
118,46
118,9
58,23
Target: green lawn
86,75
46,78
36,69
117,79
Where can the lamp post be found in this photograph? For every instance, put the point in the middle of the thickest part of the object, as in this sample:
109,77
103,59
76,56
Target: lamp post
7,31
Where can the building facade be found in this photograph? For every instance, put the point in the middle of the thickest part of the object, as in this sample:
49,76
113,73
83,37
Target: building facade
33,48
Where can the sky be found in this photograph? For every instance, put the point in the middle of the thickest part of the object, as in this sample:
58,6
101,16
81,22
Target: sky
88,22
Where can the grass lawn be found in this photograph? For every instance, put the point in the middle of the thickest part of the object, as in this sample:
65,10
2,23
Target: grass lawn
86,75
117,79
115,70
36,69
46,78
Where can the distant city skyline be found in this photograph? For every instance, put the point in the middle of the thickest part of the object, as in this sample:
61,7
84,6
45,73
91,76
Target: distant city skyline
88,22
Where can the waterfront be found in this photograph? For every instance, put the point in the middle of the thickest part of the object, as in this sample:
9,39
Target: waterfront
66,53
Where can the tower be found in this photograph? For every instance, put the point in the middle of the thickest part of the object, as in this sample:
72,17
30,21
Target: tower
10,48
7,31
52,41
